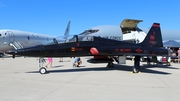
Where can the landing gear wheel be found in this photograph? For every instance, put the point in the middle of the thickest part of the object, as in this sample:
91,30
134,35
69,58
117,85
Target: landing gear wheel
1,55
134,70
42,70
110,65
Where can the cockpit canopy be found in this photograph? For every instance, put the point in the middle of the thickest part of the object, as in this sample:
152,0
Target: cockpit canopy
77,38
71,38
89,31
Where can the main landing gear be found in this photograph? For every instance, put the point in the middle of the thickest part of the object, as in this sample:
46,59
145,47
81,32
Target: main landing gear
136,68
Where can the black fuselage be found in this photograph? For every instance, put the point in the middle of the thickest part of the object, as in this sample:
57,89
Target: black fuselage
82,48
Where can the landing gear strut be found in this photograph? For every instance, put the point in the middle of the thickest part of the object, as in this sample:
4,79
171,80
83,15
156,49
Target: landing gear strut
110,65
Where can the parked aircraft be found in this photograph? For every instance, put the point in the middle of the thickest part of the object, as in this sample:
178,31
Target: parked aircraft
15,39
100,48
127,31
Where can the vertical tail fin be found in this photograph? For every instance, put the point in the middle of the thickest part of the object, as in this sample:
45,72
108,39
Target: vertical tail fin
66,33
154,37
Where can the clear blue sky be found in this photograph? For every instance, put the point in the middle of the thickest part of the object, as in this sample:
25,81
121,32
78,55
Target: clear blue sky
51,16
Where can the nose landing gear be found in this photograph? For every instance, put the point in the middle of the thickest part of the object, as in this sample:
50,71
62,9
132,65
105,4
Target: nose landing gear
42,69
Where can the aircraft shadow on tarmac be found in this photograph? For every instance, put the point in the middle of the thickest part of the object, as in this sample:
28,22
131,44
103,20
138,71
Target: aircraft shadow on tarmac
144,69
57,66
65,61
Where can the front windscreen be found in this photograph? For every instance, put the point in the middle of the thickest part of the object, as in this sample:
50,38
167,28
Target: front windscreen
89,31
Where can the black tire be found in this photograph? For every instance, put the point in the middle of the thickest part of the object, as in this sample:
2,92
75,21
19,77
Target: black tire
134,70
1,55
42,70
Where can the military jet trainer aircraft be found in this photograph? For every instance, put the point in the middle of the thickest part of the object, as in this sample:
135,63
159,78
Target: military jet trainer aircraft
100,48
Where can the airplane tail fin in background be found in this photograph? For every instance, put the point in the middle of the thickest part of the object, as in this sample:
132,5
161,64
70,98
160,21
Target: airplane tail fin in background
154,37
66,34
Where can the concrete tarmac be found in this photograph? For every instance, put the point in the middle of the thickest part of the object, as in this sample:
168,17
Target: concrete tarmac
21,81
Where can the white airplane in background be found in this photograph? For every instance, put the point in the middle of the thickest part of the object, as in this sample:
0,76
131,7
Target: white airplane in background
127,31
15,39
